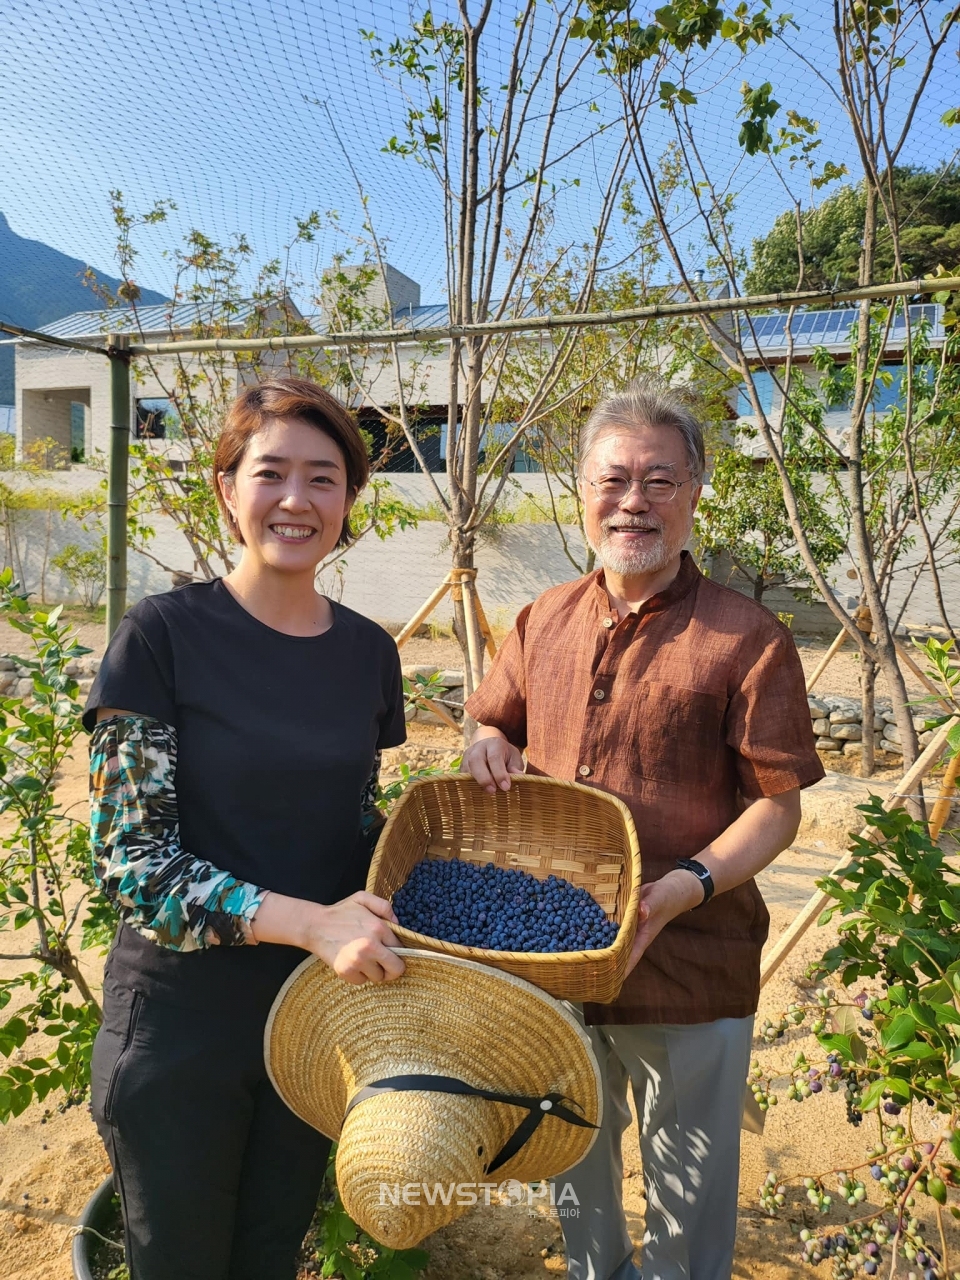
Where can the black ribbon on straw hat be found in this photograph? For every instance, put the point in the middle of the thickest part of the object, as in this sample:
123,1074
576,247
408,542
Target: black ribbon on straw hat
549,1104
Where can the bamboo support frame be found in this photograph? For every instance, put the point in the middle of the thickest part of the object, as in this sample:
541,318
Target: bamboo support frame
117,481
531,324
826,660
802,922
941,810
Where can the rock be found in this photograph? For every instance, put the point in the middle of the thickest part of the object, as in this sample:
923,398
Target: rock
8,682
817,707
85,685
919,723
844,715
892,733
24,688
409,713
821,728
846,732
7,664
879,723
889,717
829,809
890,748
451,679
925,738
839,702
74,668
853,748
411,673
827,744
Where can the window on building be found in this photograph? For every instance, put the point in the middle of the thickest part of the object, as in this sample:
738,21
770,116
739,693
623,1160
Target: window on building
766,387
157,419
78,432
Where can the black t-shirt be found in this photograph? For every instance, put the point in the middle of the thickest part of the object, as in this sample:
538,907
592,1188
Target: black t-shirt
276,738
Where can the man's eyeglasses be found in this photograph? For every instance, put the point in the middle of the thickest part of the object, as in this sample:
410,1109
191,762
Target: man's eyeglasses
656,489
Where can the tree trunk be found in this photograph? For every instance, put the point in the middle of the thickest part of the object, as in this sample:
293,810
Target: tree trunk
868,680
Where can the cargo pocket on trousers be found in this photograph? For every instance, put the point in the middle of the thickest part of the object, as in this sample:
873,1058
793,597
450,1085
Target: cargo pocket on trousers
122,1009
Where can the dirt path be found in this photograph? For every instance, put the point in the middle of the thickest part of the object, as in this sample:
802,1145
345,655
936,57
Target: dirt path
51,1162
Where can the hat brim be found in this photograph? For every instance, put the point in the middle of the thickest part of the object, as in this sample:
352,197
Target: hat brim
325,1039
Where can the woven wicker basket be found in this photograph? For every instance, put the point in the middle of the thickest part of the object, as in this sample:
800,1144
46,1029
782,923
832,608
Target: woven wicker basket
540,826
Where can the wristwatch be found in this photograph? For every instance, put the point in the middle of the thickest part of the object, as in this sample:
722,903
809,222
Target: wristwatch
702,874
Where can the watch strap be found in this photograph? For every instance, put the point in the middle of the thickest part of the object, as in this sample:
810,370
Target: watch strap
702,874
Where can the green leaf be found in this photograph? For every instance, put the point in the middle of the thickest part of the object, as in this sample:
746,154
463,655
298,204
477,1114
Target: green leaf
955,1143
918,1050
899,1088
949,910
418,1259
872,1094
899,1032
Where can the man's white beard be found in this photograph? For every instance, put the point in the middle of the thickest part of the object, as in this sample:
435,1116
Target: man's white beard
629,562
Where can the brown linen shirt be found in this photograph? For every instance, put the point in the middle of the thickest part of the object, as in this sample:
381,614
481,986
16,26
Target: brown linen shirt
682,710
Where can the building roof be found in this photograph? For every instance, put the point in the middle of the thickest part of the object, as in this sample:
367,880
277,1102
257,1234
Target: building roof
155,321
830,329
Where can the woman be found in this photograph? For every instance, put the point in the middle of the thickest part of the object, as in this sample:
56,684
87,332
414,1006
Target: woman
237,726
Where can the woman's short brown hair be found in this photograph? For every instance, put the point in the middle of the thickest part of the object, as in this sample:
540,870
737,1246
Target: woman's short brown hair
289,398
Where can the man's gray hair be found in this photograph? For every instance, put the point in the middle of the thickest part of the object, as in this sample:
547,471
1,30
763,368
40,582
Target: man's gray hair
647,402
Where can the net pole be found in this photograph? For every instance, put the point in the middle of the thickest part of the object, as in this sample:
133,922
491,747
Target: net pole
534,324
118,351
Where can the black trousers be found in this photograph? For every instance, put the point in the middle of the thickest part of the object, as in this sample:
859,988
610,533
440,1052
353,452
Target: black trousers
217,1178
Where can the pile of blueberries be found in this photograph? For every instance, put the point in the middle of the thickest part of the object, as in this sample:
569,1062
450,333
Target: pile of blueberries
501,910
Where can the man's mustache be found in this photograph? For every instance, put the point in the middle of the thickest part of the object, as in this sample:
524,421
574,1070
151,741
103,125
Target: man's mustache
614,522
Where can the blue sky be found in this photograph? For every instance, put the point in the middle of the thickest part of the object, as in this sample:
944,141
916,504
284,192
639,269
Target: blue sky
206,105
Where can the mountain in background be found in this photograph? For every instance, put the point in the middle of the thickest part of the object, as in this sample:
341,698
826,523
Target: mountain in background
39,285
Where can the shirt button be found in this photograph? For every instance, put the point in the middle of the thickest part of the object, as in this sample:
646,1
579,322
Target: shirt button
599,694
608,622
584,771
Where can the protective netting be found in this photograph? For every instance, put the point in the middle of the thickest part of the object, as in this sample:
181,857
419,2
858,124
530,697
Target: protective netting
219,108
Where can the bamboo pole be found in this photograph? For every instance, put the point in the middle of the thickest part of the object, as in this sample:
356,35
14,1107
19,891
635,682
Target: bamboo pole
530,324
424,611
802,922
484,624
119,354
941,810
826,660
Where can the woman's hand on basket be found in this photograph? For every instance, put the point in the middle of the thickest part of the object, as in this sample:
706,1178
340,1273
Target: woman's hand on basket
353,936
490,760
660,902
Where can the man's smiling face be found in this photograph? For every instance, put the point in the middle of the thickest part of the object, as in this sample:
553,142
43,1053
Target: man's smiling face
632,535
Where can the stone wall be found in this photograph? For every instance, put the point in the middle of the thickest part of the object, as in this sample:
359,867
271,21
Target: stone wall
838,726
17,681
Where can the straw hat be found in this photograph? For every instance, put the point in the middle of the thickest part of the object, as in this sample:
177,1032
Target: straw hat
453,1076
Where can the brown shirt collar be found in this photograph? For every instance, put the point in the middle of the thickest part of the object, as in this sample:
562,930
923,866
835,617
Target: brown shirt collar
687,577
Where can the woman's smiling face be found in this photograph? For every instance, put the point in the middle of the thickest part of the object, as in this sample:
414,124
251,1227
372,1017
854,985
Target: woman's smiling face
289,495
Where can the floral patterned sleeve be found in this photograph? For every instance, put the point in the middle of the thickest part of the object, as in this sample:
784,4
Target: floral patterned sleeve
166,894
371,819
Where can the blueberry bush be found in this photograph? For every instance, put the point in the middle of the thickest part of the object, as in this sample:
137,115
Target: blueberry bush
886,1016
51,908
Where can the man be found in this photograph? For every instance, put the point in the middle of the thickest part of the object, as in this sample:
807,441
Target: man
686,700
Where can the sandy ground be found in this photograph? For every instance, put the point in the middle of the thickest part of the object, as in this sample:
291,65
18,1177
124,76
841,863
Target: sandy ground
50,1162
